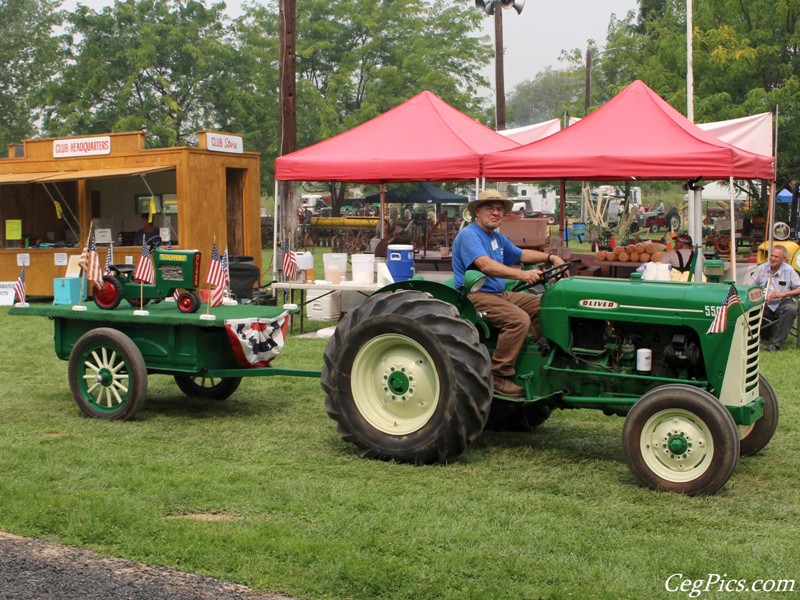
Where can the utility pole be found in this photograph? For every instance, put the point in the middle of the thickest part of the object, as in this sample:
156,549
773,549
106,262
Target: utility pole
287,16
500,82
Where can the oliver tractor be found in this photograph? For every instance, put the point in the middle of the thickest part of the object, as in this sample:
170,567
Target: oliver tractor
174,270
406,374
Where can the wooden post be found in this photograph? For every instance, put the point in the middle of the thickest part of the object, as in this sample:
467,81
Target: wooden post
287,16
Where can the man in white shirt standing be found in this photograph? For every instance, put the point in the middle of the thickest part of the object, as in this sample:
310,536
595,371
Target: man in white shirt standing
780,283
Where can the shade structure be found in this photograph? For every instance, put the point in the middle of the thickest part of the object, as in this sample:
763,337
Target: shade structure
422,139
635,135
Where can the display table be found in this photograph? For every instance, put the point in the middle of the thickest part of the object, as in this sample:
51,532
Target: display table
290,287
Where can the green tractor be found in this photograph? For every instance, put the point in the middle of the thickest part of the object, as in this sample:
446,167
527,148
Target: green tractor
406,374
174,270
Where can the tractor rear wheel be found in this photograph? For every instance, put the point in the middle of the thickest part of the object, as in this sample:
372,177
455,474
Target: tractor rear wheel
109,295
672,220
678,438
753,438
407,379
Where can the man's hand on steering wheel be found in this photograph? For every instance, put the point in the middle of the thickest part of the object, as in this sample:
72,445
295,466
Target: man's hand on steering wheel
544,276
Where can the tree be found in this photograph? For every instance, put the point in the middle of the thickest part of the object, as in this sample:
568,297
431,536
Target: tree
163,66
28,57
547,96
356,60
745,61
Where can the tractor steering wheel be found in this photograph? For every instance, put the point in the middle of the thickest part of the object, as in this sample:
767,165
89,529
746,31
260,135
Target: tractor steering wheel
551,274
154,242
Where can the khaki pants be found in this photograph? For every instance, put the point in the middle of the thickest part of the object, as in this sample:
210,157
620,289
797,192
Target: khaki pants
515,315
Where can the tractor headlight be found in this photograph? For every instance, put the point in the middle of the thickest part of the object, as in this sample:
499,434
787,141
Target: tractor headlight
473,281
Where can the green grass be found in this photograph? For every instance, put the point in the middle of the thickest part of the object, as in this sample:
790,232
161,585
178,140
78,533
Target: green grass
549,514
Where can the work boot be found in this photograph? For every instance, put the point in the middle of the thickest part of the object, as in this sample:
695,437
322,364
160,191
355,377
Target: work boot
507,387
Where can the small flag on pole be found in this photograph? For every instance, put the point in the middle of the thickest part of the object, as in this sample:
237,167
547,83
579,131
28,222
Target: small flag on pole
93,271
145,272
109,259
289,265
19,287
216,276
720,322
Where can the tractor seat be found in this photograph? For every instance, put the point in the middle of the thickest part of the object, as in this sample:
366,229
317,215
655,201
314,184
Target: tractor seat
124,268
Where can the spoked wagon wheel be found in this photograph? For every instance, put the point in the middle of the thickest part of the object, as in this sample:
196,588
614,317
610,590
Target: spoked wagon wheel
107,375
407,379
753,438
722,244
678,438
109,295
202,386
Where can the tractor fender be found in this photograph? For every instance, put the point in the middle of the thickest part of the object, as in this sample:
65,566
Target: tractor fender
440,291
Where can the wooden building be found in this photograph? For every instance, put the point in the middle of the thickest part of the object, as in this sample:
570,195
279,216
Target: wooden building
51,190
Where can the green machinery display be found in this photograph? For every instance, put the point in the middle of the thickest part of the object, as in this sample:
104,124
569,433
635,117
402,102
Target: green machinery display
173,270
406,374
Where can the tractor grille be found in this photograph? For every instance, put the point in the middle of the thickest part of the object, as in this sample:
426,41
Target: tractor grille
753,320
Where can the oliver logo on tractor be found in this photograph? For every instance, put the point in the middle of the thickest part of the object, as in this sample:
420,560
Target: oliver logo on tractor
406,374
174,270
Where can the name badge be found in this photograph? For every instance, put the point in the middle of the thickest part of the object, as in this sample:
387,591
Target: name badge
494,245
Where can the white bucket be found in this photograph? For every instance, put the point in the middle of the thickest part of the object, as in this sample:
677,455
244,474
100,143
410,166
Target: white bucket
363,268
644,360
335,264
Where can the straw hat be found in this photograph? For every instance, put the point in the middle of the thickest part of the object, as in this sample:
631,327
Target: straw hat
489,196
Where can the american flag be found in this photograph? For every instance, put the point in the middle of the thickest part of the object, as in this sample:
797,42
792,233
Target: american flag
289,266
225,267
144,270
109,259
93,271
720,322
19,286
216,276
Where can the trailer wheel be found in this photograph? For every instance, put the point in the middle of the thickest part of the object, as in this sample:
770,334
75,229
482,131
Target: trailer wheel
754,437
678,438
188,302
407,379
107,375
109,295
214,388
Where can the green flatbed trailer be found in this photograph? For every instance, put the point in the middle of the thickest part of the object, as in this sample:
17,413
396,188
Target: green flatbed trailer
111,352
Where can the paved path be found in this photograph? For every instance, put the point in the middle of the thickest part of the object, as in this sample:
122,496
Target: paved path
32,569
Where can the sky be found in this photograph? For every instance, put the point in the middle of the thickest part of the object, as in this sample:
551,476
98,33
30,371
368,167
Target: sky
532,39
535,38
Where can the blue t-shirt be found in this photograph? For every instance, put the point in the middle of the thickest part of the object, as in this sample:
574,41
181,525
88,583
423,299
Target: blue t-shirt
471,243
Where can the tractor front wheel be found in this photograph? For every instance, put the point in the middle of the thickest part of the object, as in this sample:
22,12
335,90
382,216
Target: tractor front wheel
107,375
678,438
754,437
407,379
188,302
201,386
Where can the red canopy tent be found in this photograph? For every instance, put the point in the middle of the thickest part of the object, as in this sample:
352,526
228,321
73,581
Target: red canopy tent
635,135
422,139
